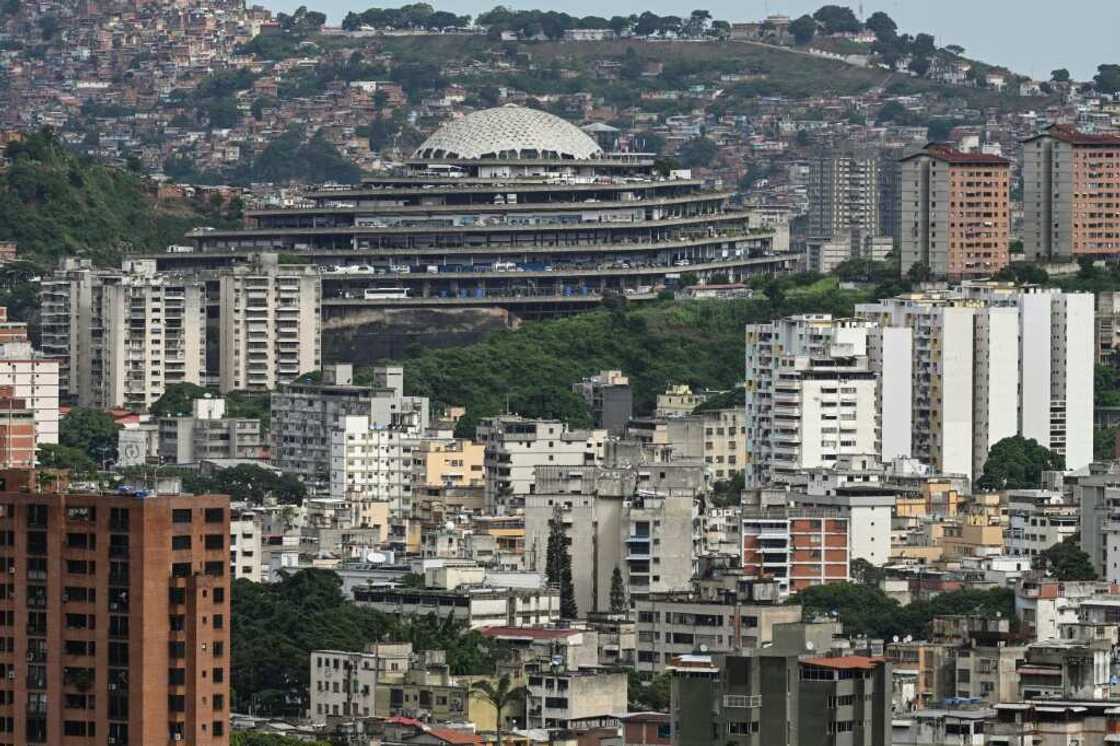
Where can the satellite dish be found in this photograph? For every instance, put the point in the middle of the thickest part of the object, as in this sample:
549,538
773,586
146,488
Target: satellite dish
895,638
908,638
810,646
703,648
376,558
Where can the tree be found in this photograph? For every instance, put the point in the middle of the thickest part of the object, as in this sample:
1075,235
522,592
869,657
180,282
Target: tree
882,25
838,19
1066,560
1017,463
1107,79
955,49
618,593
699,152
652,696
1061,75
919,66
57,456
803,30
90,431
865,573
558,565
246,738
177,400
500,696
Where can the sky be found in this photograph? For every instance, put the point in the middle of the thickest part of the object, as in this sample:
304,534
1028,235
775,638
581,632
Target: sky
1032,37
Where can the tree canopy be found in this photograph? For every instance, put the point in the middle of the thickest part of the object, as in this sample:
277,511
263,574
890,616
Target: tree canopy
1017,463
250,483
90,431
276,626
1107,79
1066,560
867,610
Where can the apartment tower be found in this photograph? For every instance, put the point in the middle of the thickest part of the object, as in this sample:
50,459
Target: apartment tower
115,617
843,196
961,369
123,336
1071,194
955,215
810,395
269,319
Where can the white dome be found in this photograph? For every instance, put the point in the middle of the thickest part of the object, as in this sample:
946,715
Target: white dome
509,132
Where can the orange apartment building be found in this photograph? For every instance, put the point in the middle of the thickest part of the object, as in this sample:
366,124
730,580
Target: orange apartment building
17,431
114,617
797,548
1071,194
955,215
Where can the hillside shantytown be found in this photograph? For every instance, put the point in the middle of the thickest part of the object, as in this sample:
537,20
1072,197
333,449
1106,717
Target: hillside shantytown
396,377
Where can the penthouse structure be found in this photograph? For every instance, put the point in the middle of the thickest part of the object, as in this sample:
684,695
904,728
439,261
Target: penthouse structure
810,395
123,336
956,212
509,207
961,369
1071,194
123,613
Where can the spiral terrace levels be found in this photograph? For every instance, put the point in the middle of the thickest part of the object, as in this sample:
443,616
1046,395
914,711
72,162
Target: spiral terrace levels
509,208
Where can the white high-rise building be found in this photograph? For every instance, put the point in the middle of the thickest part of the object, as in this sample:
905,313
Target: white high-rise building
269,318
31,379
371,464
810,395
123,336
961,369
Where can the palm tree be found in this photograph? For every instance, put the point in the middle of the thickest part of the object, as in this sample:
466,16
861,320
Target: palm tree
500,696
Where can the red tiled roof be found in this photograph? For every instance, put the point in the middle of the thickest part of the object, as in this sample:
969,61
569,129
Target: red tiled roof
529,633
455,736
949,154
845,662
1074,136
401,720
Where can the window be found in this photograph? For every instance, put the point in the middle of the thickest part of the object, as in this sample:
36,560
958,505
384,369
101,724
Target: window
219,595
215,515
183,541
181,570
181,515
215,541
177,649
176,703
219,621
177,676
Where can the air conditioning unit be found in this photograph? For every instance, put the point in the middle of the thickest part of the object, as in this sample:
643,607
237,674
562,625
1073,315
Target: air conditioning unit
178,736
11,674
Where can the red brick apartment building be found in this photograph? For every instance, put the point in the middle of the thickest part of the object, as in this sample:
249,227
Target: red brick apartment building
114,617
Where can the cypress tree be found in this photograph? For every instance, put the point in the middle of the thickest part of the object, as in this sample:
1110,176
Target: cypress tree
618,593
558,565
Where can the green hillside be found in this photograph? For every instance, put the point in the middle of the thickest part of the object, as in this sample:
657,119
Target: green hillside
700,343
55,204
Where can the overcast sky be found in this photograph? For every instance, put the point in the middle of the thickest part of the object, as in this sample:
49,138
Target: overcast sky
1032,37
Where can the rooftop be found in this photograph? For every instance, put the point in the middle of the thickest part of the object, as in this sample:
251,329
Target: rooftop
509,132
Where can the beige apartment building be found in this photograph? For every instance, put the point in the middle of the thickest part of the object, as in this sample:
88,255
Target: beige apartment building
956,212
1071,194
448,463
269,324
123,336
